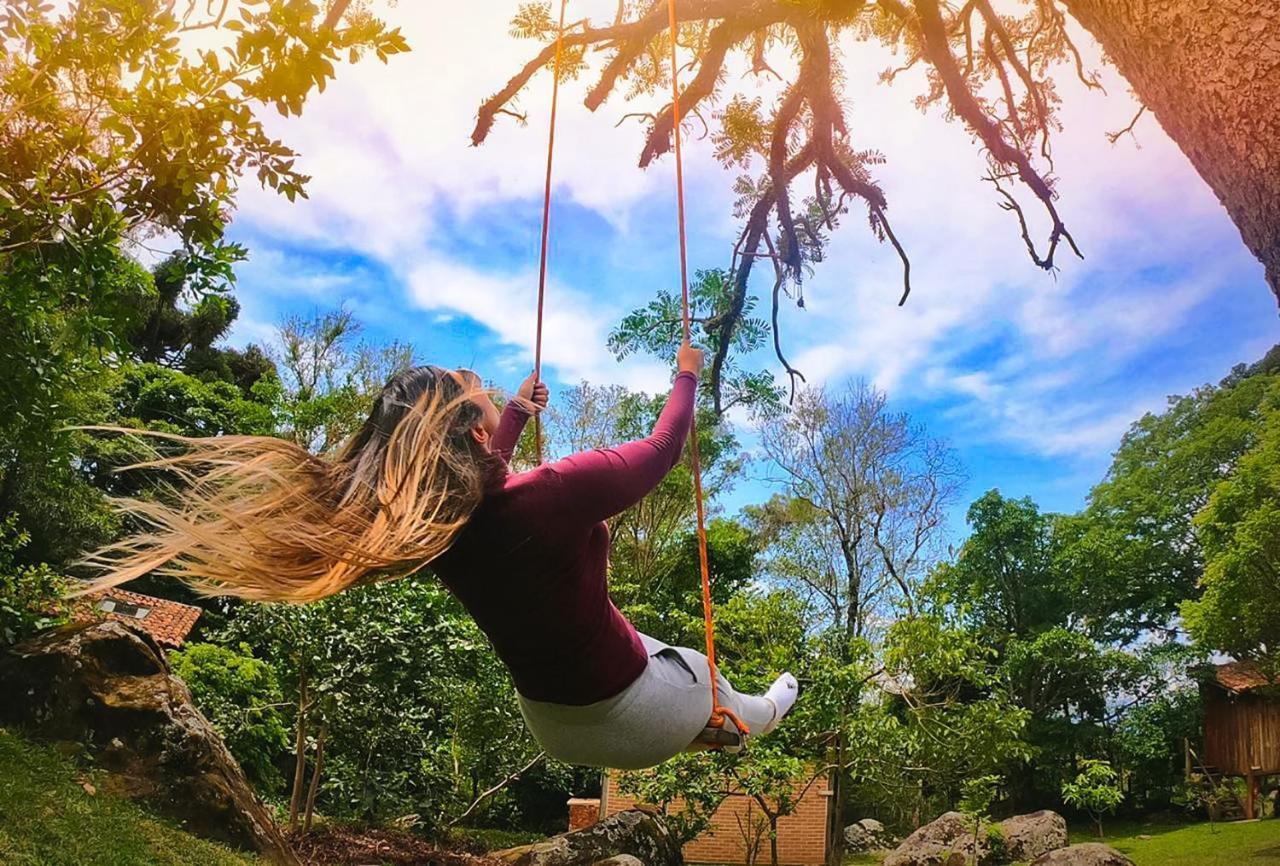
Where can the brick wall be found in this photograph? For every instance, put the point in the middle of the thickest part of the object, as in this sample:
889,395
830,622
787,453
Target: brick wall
583,813
802,835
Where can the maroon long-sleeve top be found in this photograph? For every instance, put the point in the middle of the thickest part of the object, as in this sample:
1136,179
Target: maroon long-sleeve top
530,566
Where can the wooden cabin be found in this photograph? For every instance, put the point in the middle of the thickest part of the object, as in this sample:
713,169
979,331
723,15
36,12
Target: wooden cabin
1242,726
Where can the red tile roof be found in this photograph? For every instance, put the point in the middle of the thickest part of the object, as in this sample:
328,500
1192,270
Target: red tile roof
169,622
1241,677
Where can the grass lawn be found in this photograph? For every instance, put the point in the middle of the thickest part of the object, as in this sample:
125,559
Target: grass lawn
495,840
48,819
1235,844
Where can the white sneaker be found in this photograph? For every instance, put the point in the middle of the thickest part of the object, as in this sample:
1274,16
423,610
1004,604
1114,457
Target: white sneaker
782,694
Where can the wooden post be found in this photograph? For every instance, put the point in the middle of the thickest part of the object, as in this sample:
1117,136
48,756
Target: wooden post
1186,754
1251,784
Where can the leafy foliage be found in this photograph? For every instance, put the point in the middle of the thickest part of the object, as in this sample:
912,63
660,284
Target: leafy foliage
695,780
1134,550
119,120
241,697
417,709
1009,585
30,595
1239,529
945,717
1096,789
657,329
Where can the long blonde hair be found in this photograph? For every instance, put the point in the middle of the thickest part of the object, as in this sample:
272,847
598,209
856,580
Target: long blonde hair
264,519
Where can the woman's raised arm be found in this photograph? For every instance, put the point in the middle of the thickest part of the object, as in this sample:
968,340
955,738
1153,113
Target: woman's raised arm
596,485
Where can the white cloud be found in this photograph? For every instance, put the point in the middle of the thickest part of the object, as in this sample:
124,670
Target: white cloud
575,327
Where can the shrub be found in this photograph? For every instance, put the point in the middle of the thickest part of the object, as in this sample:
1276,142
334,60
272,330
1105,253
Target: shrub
30,595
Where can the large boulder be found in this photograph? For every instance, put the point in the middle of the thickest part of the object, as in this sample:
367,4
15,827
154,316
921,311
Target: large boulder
1026,837
618,840
1087,854
947,841
108,686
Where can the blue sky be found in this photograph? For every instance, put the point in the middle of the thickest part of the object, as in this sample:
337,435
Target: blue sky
1032,377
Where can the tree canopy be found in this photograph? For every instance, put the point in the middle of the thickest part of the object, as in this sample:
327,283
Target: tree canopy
996,68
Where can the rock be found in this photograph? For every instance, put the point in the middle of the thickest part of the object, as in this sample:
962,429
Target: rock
867,835
108,686
1026,837
856,839
622,839
947,841
1087,854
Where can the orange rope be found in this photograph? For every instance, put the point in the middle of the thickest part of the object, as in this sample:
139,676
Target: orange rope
718,713
546,226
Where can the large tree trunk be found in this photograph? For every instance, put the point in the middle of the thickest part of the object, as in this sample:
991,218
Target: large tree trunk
1210,71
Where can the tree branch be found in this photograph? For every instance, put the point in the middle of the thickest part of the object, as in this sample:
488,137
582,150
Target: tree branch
537,759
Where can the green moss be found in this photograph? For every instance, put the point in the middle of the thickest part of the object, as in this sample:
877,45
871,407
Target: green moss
48,819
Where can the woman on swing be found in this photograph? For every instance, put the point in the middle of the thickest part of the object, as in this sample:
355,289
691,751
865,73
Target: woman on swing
425,483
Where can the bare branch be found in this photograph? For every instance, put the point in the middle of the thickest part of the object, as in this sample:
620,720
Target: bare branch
515,776
966,106
779,279
336,11
723,38
1113,137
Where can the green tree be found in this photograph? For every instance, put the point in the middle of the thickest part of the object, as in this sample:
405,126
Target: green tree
119,120
1008,585
1133,552
943,716
1239,531
55,342
1149,745
398,704
696,780
1004,578
183,322
774,778
1096,790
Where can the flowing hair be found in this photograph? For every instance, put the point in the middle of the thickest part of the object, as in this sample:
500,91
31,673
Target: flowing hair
264,519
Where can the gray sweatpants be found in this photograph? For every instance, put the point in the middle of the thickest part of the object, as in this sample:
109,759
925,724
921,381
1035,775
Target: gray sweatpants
653,719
